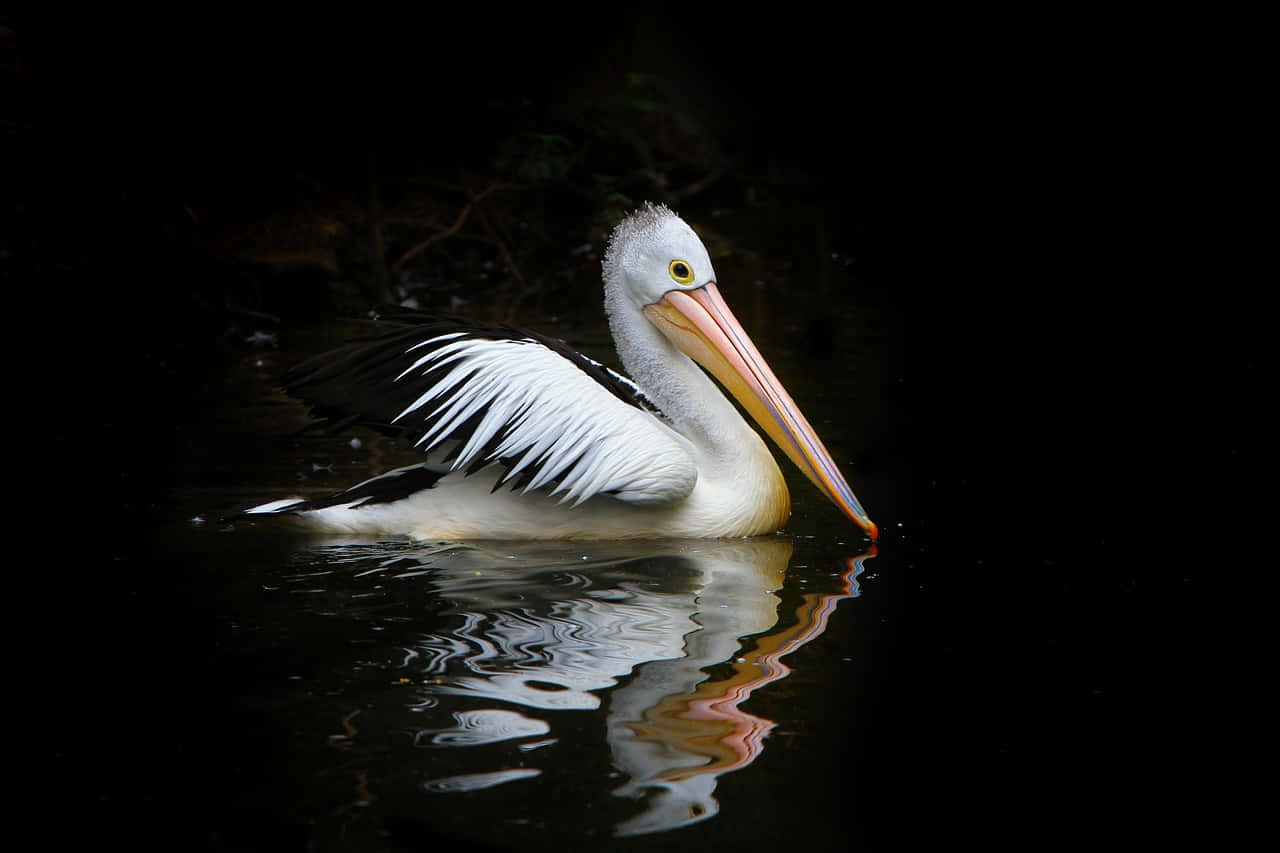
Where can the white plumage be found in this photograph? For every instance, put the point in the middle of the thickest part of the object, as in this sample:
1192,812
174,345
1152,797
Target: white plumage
526,439
583,439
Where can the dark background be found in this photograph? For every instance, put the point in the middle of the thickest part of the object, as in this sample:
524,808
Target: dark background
172,185
176,184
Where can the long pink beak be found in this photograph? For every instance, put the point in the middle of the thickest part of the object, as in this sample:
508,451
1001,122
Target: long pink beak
700,323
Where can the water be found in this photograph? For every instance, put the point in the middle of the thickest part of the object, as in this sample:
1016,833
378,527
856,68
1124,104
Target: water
241,686
550,693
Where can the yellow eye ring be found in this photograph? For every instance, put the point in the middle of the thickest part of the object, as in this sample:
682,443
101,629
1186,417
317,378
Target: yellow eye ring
680,272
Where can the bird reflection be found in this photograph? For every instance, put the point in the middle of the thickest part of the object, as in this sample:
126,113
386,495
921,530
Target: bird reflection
650,635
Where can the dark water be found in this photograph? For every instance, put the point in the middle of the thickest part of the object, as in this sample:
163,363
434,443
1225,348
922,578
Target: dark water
542,695
188,684
241,686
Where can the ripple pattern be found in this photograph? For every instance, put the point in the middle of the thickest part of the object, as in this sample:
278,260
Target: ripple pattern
473,728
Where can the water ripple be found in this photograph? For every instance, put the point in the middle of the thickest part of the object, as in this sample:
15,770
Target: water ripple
480,727
666,641
477,781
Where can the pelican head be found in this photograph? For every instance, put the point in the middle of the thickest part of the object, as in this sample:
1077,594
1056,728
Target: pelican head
657,268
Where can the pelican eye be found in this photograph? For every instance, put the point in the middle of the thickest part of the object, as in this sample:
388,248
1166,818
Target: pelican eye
680,272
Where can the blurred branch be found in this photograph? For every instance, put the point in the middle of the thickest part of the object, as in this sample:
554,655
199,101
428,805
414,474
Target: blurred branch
507,258
452,229
375,227
700,185
512,267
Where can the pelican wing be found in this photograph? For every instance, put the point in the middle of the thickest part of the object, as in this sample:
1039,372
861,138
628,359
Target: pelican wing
495,395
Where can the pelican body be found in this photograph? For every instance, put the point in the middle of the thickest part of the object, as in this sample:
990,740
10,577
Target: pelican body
526,439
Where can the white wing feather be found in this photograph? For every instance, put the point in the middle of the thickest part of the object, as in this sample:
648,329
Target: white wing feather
553,417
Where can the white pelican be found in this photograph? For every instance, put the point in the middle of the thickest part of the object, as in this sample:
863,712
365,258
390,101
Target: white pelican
526,439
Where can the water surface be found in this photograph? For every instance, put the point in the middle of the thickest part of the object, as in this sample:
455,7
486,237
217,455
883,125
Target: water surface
243,686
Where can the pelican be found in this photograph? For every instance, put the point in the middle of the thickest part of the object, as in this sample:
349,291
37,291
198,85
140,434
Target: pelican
526,439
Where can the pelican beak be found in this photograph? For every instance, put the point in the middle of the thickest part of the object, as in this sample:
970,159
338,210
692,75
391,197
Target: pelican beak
701,325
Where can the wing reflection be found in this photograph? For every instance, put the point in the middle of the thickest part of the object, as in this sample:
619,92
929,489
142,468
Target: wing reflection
666,641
